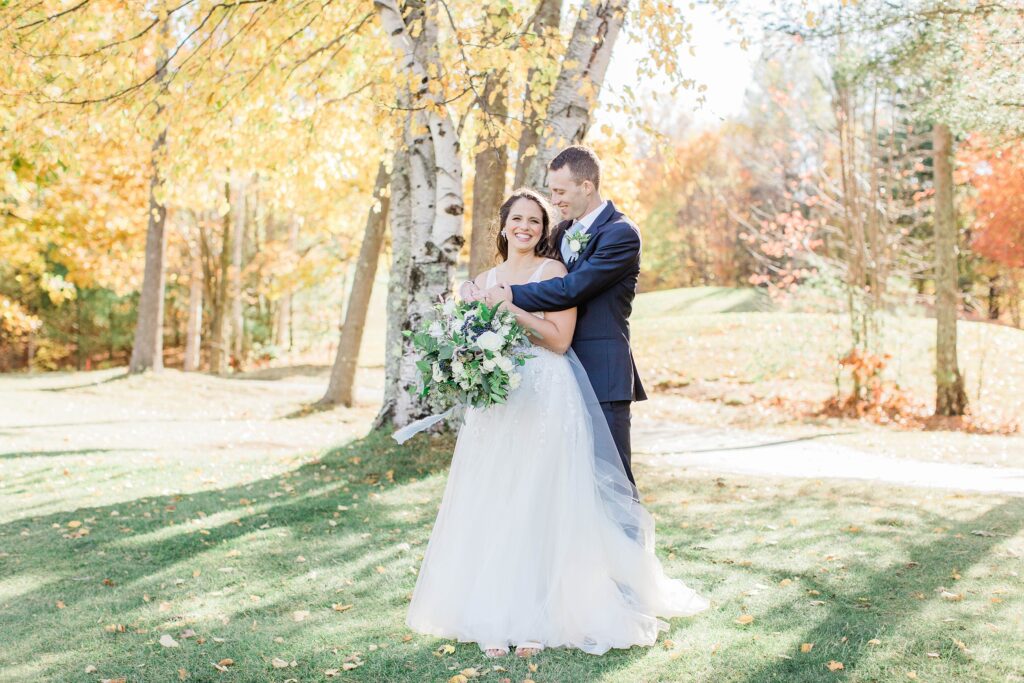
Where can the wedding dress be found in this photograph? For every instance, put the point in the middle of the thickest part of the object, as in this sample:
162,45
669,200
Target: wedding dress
540,538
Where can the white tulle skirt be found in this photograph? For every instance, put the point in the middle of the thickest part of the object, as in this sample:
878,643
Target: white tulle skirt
527,547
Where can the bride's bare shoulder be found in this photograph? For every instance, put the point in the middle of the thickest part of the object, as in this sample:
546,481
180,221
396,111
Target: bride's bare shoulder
553,268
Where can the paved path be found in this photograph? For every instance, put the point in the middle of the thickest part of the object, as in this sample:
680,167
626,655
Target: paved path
755,453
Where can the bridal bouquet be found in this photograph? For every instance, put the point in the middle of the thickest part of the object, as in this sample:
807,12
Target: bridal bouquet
469,353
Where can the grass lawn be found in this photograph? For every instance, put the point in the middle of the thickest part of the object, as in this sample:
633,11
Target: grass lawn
315,565
201,512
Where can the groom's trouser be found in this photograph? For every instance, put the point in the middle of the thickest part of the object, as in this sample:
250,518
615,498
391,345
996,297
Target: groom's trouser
617,415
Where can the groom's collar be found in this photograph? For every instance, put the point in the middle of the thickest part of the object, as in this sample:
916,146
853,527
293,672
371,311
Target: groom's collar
591,218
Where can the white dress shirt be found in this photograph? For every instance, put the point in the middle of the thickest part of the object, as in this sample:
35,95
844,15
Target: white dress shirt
589,219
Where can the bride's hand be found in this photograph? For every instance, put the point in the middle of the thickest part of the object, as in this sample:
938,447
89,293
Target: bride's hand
497,294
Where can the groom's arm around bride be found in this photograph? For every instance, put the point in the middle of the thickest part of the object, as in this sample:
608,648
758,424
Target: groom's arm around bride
601,250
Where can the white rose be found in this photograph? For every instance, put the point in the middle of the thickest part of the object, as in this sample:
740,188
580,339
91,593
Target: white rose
490,341
458,369
438,374
514,380
448,307
505,364
488,365
505,329
436,330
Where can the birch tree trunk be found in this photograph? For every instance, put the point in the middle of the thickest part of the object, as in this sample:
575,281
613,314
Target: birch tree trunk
579,82
400,211
950,397
538,85
434,165
341,388
489,181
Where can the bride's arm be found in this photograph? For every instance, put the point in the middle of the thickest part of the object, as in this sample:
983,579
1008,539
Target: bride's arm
554,331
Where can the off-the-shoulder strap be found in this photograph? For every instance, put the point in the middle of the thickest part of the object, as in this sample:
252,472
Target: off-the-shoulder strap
537,273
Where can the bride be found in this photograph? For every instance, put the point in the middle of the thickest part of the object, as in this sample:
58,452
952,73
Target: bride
540,540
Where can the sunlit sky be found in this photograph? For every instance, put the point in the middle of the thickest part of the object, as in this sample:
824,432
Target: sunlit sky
719,63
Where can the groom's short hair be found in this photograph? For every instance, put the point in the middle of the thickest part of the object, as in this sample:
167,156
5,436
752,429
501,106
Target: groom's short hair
582,162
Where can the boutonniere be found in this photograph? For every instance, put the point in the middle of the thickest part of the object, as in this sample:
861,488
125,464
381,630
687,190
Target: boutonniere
577,242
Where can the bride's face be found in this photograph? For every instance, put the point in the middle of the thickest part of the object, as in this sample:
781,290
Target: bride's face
524,226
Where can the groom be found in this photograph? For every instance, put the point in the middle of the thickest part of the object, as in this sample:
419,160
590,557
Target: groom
601,250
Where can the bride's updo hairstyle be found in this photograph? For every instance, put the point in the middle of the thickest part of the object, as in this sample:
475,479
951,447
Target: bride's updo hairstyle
543,247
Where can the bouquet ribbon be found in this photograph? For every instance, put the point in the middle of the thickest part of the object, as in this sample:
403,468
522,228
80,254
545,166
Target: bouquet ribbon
410,430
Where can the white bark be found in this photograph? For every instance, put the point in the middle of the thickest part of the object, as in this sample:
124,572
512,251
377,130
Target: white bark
579,82
435,175
401,222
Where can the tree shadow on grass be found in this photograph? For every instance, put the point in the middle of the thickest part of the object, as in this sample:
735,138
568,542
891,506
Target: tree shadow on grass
54,454
358,556
894,598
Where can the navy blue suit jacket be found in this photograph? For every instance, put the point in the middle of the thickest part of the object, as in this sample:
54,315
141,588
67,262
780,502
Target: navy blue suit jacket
601,284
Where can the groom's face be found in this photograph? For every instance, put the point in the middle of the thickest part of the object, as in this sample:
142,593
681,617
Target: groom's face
568,196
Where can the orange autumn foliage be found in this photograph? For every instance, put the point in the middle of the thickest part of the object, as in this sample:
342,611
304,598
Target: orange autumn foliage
997,174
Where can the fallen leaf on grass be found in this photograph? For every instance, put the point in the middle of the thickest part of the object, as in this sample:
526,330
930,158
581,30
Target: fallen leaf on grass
874,641
278,663
952,597
458,678
933,655
806,647
167,641
182,674
331,673
745,619
445,649
60,604
833,665
337,607
90,669
912,674
187,633
300,615
113,680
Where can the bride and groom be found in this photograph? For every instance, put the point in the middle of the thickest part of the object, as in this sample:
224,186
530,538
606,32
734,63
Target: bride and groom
540,539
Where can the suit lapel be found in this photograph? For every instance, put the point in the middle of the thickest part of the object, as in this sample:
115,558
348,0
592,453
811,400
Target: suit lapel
599,222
